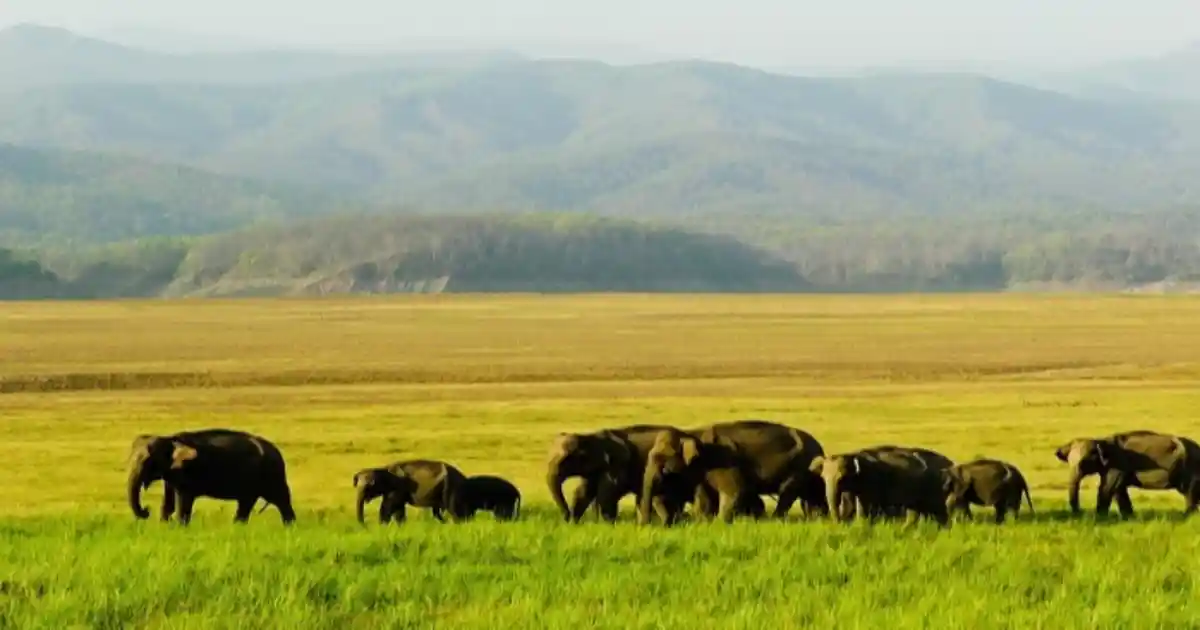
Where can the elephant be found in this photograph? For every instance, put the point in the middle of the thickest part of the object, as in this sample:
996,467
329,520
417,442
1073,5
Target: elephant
1139,459
610,463
674,492
420,483
217,463
986,482
886,481
492,494
732,460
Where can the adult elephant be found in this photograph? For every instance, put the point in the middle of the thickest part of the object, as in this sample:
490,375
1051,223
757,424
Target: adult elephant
1139,459
732,460
218,463
609,463
885,481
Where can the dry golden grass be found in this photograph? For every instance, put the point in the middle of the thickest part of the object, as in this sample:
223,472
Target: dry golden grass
486,381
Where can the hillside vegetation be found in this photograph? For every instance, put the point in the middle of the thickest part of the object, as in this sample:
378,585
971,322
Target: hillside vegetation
879,183
358,253
57,197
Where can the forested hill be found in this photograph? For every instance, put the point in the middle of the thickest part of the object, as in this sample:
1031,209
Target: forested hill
390,254
878,183
59,197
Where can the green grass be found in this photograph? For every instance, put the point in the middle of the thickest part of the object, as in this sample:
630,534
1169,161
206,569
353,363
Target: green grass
973,381
329,573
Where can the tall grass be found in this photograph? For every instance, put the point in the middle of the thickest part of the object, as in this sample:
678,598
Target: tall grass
539,573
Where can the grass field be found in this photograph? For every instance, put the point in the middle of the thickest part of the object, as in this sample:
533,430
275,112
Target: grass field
485,382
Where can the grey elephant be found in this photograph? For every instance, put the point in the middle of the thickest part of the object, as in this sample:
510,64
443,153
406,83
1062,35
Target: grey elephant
1134,459
420,483
490,494
674,493
217,463
609,462
986,482
886,481
729,461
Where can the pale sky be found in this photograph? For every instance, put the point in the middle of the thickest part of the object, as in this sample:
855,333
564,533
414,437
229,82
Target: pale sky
758,32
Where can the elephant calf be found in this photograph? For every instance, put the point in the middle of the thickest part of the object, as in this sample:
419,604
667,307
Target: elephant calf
491,494
986,482
418,482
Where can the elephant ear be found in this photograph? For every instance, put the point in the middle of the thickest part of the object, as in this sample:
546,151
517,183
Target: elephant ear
691,450
1105,452
816,465
362,476
949,481
182,454
1064,452
617,453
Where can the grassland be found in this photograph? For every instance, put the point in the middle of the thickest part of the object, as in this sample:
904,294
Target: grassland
486,381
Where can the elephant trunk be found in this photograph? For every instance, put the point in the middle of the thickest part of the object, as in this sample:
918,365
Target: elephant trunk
650,482
833,496
554,479
135,490
359,503
1073,488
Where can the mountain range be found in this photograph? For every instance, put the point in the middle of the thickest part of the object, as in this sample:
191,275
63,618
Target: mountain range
104,143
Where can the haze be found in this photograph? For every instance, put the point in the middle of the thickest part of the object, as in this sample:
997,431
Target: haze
799,33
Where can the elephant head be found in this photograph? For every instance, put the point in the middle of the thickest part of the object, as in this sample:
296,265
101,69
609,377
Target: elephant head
954,486
841,474
600,454
673,453
1086,456
373,483
152,458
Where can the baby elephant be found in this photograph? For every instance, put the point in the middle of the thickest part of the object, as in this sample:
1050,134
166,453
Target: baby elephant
986,482
490,494
420,483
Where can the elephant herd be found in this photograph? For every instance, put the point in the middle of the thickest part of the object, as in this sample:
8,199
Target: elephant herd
723,470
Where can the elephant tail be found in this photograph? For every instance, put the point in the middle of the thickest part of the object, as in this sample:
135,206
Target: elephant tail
449,494
517,507
1028,496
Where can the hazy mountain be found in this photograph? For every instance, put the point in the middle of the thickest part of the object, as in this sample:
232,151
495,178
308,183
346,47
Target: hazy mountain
180,42
32,56
673,138
894,181
54,196
1175,75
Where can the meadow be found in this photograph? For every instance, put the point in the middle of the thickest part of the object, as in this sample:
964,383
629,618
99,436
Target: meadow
486,381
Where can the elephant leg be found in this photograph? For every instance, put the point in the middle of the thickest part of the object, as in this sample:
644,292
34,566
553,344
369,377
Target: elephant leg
281,498
186,501
584,495
397,511
1113,486
1191,493
244,507
1001,511
664,511
168,502
789,491
1124,504
705,501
